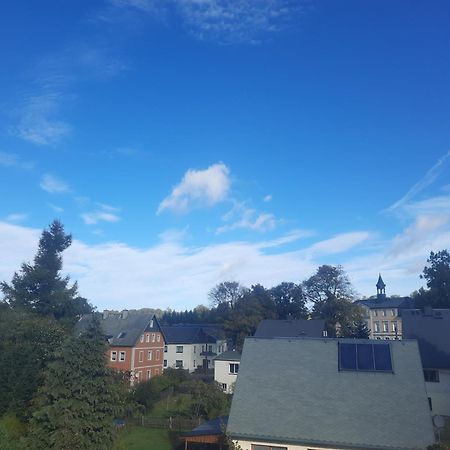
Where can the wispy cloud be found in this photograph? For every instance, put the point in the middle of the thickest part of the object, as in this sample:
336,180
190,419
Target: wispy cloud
267,198
38,121
424,182
13,160
223,21
16,217
340,243
243,217
198,188
104,213
56,208
53,185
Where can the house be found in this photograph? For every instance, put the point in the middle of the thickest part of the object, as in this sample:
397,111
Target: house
291,328
384,314
226,369
210,432
136,342
431,328
191,346
323,393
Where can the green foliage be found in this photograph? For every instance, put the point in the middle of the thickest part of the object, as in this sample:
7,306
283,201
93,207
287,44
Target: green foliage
80,397
290,301
353,325
40,288
27,344
441,446
228,292
437,276
12,431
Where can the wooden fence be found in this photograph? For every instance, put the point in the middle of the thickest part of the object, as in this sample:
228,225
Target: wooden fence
171,423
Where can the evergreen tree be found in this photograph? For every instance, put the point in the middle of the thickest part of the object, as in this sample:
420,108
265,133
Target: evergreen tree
39,287
290,301
80,397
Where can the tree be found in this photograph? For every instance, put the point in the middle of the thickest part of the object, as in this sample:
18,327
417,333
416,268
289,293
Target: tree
228,292
331,294
80,397
353,324
40,288
290,301
437,276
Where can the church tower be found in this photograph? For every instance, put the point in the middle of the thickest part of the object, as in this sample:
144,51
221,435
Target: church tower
381,288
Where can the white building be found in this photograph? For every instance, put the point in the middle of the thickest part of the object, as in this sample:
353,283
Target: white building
191,346
226,368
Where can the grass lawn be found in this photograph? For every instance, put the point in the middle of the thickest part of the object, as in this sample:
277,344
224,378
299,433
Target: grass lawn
140,438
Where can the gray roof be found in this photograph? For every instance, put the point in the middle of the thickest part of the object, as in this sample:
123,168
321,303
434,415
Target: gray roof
302,398
432,330
387,302
290,328
214,427
230,355
177,334
129,325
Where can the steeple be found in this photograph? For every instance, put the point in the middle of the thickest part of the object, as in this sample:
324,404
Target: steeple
381,287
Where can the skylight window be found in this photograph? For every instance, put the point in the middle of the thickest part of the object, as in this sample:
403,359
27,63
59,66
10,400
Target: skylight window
366,357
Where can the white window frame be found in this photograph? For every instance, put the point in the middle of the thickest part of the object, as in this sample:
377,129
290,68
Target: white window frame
153,337
385,327
165,363
158,338
149,355
157,355
114,355
376,325
179,349
178,366
147,337
122,356
232,368
149,374
142,338
141,356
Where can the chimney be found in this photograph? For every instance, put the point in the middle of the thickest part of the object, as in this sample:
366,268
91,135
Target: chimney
105,314
124,314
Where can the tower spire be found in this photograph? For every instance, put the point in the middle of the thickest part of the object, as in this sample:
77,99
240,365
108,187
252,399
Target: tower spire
381,287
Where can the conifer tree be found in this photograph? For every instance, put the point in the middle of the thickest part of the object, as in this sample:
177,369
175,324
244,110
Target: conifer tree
39,287
80,397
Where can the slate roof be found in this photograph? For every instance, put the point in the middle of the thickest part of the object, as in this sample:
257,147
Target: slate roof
128,325
387,302
290,328
214,427
302,398
187,335
230,355
432,330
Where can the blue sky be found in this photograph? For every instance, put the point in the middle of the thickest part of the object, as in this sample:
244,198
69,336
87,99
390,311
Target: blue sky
187,142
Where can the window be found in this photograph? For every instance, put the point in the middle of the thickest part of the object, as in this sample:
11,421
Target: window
113,356
141,356
393,312
384,312
150,325
147,337
210,348
149,355
195,364
224,386
121,356
431,376
377,327
156,371
158,338
375,313
142,338
157,355
165,349
179,349
365,357
324,333
149,374
195,349
178,363
165,363
153,337
394,327
385,327
430,403
234,368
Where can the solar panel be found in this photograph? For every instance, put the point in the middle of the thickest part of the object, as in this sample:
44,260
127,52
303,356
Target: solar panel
347,356
365,357
382,356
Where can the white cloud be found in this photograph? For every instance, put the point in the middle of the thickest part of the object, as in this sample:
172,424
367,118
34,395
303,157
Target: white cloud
53,185
38,123
198,188
267,198
13,160
16,217
56,208
104,213
339,243
224,21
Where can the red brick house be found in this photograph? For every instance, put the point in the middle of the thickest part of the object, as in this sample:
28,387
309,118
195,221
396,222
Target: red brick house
136,342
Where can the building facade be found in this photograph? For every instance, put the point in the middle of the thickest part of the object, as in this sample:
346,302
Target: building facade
226,369
383,314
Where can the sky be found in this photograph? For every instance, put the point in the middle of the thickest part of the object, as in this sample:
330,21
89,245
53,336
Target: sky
187,142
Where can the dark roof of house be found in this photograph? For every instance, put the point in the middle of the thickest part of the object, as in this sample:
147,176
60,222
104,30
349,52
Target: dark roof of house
387,302
302,397
213,329
122,329
214,427
431,328
230,355
290,328
187,335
